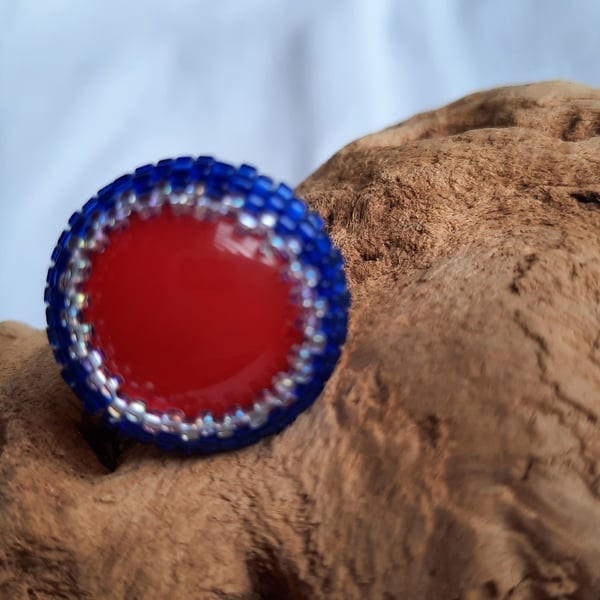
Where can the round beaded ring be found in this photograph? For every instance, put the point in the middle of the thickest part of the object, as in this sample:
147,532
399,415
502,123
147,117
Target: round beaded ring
196,305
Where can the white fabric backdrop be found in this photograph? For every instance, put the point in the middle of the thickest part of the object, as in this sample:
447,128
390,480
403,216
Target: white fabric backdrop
89,90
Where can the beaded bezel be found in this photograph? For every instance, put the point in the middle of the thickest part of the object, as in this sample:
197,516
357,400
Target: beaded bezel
202,188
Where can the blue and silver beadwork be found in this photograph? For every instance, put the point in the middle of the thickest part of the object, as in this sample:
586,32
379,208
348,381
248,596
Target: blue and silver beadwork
111,289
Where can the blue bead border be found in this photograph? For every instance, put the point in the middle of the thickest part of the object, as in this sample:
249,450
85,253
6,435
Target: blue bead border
259,194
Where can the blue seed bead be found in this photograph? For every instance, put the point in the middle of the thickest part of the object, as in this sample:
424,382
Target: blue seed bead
254,203
56,252
105,192
59,356
343,299
243,180
323,242
93,401
217,180
57,334
275,203
333,322
324,288
240,184
284,191
336,253
273,424
311,254
201,168
247,171
106,197
263,186
306,231
142,179
63,240
336,334
51,277
74,218
327,270
180,174
77,371
167,440
80,226
221,170
227,444
339,283
90,206
127,428
341,316
332,352
51,295
60,264
307,392
53,322
69,378
122,184
337,293
296,209
51,335
336,260
324,364
162,170
246,434
141,434
285,225
182,162
315,220
64,339
208,445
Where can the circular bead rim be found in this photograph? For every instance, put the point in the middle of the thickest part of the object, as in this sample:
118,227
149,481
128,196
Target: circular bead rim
207,189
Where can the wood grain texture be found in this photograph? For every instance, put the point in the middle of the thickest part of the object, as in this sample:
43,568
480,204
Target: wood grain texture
454,454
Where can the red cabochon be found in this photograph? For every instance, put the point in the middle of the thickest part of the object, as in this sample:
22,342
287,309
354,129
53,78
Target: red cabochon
190,314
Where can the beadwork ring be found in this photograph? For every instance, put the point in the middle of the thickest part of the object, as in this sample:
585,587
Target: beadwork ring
196,305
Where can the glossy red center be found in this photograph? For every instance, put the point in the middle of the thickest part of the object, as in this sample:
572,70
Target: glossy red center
190,314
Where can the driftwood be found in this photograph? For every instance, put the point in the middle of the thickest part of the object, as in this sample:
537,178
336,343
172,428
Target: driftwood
454,454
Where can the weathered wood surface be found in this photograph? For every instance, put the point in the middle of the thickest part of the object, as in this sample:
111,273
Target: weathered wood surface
455,453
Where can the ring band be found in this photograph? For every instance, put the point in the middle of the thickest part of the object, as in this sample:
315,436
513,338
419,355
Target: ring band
196,305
